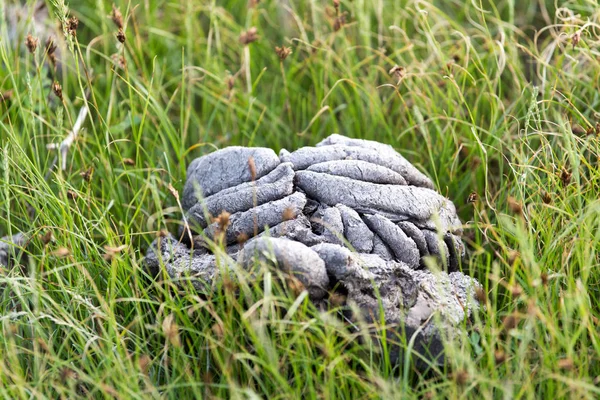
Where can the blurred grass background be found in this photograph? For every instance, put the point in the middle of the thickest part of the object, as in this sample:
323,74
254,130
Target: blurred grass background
496,101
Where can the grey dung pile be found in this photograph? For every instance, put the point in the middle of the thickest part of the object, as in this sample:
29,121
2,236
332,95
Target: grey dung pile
348,215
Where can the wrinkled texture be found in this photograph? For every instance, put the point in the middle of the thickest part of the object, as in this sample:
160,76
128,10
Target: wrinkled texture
348,215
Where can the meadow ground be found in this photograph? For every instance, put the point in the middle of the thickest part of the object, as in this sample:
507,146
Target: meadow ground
495,100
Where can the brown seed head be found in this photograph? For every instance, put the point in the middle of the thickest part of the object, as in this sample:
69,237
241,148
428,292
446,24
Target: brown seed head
72,195
144,363
50,49
337,299
499,356
67,374
339,22
515,206
57,89
565,176
87,174
119,60
249,36
288,214
72,25
472,197
111,252
173,191
481,296
61,252
171,330
398,72
576,38
295,285
128,161
6,96
512,256
578,130
283,52
162,233
121,35
510,322
223,220
565,364
544,278
230,82
516,291
461,377
47,237
31,43
242,238
117,17
546,198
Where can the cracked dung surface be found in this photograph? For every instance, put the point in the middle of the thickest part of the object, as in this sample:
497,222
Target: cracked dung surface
346,215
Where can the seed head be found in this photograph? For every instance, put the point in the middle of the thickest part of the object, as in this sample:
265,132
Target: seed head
288,214
565,364
499,357
47,237
565,176
121,35
510,322
117,17
242,238
72,25
461,377
87,174
129,161
230,82
578,130
111,252
31,43
515,206
51,50
61,252
57,89
119,60
516,291
173,191
295,285
576,38
223,220
513,255
481,296
6,96
171,330
249,36
472,197
144,362
72,195
398,72
339,22
546,197
283,52
336,5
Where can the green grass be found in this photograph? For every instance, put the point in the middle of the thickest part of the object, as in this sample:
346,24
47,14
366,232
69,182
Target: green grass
490,95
